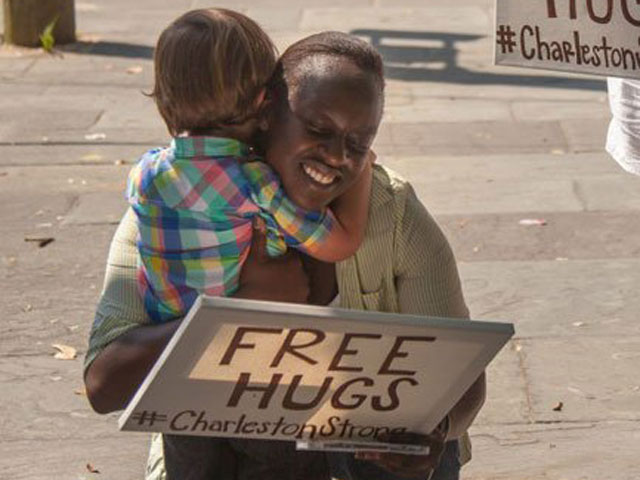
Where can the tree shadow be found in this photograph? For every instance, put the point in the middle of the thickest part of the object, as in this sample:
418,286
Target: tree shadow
108,49
432,57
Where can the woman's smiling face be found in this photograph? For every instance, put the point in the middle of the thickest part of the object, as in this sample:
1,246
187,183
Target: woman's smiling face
321,129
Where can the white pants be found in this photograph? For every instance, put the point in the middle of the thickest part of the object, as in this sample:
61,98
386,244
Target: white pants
623,140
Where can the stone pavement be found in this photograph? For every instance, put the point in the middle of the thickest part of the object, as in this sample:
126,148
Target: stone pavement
484,147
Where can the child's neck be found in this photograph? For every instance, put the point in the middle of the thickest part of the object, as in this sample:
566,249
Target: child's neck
243,132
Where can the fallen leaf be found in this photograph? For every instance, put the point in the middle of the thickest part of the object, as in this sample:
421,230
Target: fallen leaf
119,162
73,328
41,241
27,308
91,157
92,469
561,259
135,70
558,408
55,378
65,352
80,391
44,225
539,222
95,136
476,249
578,324
558,151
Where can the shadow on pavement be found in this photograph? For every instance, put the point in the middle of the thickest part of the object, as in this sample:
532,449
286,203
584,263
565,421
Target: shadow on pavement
109,49
432,57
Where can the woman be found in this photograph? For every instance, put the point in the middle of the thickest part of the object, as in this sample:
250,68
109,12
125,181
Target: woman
328,99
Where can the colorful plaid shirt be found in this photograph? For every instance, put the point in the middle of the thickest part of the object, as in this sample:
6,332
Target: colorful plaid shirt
195,202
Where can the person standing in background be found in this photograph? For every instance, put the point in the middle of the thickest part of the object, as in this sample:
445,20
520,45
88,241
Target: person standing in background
623,139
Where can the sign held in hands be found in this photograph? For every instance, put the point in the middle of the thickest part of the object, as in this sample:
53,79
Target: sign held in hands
241,368
600,37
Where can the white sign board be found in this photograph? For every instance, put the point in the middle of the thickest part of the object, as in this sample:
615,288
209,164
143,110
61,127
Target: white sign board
600,37
241,368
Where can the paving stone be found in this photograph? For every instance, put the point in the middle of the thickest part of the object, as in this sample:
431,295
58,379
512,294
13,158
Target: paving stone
565,236
274,19
447,110
45,124
556,299
620,193
586,135
86,153
64,179
487,5
548,111
507,401
285,4
451,19
554,452
504,168
476,138
78,70
515,84
517,196
596,379
112,456
97,208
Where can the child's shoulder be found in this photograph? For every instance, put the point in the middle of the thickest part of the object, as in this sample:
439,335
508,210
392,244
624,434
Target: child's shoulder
147,172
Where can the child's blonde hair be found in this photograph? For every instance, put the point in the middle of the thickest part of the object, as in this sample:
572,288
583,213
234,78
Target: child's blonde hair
210,65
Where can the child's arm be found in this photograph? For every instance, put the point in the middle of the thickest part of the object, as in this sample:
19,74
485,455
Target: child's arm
330,236
350,212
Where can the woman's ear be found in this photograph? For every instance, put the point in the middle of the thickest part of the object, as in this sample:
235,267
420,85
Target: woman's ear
262,103
260,99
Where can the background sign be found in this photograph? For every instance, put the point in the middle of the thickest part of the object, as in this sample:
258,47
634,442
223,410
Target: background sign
238,368
600,37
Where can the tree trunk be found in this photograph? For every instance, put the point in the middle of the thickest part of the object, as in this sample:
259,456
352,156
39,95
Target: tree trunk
25,20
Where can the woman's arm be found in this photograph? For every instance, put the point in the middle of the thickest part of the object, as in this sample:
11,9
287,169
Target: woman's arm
117,371
428,284
117,366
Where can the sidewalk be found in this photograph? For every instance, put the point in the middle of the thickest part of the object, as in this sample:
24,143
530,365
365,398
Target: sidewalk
485,147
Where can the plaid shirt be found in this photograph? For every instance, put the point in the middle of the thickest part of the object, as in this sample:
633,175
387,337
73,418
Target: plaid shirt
195,202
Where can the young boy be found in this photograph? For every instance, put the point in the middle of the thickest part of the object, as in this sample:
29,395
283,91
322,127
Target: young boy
195,200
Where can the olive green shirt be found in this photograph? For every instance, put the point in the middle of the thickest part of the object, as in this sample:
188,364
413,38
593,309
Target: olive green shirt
404,265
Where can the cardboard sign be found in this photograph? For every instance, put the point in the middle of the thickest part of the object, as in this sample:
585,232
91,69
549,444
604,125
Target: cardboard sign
250,369
600,37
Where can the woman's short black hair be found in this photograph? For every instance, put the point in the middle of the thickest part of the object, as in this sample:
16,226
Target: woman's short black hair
331,44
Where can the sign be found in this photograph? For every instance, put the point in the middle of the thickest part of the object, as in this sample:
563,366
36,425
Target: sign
600,37
251,369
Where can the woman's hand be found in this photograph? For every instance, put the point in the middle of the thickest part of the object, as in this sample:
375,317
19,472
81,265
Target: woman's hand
281,279
410,466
